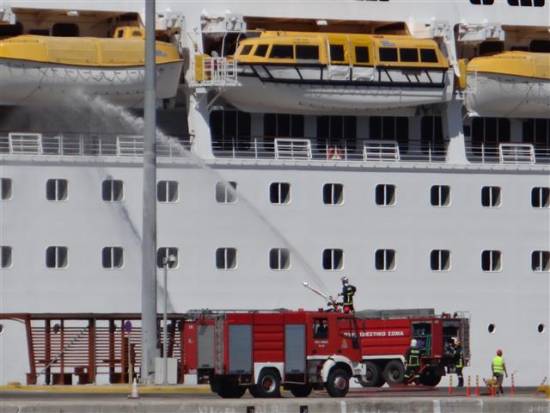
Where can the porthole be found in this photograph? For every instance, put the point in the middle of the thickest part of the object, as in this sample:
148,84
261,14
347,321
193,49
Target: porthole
1,328
491,328
540,328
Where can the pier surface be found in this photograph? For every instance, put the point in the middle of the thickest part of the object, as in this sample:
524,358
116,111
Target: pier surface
114,399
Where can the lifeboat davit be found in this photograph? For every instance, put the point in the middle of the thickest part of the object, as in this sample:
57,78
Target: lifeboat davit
334,73
509,84
41,69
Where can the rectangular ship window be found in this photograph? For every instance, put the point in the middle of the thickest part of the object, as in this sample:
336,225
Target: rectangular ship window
440,260
333,259
112,190
440,195
279,193
5,188
57,257
56,189
385,194
305,52
226,258
540,261
167,191
408,55
337,53
388,54
112,257
361,54
167,256
428,56
491,261
5,256
540,197
333,194
226,192
279,259
261,50
282,51
490,196
384,260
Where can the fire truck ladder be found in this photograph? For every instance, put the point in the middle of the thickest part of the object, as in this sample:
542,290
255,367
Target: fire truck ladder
218,344
55,359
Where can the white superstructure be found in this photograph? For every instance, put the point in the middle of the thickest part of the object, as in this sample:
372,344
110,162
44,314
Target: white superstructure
420,206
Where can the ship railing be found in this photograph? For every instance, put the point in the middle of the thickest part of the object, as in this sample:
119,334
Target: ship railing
319,149
516,153
76,144
292,148
214,71
381,151
509,153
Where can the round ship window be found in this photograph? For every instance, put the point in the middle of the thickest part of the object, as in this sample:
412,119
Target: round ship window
491,328
540,328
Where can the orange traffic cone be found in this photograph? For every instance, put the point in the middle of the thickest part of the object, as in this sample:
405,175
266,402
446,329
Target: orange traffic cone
468,383
477,386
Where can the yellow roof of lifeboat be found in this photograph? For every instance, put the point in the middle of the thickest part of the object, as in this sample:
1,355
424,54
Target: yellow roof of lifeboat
516,63
126,50
260,48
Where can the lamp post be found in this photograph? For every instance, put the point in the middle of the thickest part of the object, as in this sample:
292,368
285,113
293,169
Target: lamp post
167,261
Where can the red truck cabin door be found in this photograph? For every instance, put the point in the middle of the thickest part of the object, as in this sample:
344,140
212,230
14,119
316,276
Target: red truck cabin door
295,353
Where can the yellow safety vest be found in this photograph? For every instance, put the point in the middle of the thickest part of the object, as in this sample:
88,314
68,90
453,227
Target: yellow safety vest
498,365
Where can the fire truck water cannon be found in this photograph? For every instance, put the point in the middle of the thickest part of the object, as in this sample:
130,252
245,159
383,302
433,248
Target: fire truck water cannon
332,303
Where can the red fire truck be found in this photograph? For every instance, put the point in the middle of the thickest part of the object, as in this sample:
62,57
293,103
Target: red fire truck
306,350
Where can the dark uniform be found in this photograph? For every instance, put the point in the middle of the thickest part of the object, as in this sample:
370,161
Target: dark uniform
458,359
348,291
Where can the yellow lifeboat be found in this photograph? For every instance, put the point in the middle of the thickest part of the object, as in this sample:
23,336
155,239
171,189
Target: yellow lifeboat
509,84
39,69
335,73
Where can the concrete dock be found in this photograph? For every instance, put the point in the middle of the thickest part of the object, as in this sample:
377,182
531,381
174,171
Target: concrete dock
199,400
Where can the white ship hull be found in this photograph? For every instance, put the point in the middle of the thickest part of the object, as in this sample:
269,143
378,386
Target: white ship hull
32,83
514,299
504,96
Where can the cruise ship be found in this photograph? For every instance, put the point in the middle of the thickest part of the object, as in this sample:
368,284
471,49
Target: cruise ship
403,144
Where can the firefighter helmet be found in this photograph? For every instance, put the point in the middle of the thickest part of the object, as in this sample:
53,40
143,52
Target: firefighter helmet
345,280
413,343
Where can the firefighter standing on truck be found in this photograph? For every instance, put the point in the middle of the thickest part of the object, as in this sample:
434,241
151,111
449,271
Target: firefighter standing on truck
348,291
498,367
412,362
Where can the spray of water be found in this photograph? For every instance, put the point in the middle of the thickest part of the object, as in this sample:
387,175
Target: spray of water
138,125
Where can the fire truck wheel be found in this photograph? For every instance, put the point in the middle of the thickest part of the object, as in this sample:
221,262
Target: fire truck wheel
394,373
372,377
338,382
300,390
269,384
430,377
228,389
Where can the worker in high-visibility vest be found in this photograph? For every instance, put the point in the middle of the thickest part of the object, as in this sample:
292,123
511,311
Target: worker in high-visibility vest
498,367
412,361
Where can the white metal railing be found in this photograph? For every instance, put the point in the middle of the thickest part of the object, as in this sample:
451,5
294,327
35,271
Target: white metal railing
293,148
215,71
88,145
508,153
381,151
516,153
25,143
